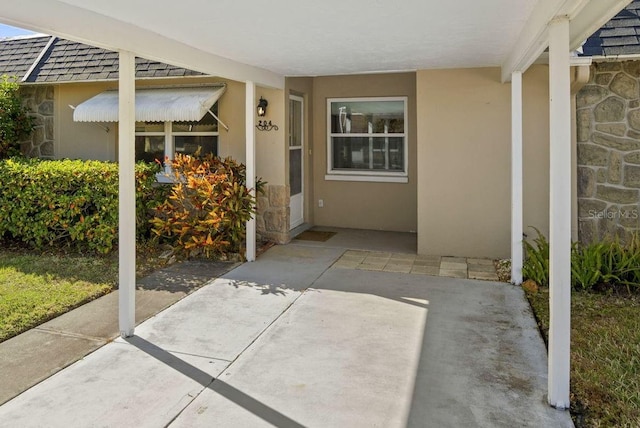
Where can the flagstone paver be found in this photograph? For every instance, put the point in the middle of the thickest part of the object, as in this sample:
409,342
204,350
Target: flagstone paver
454,273
453,267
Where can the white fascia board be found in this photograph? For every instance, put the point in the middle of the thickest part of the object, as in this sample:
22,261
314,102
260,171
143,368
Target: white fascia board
70,22
612,58
534,37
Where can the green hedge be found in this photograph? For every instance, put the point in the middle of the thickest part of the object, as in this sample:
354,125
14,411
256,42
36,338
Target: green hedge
69,203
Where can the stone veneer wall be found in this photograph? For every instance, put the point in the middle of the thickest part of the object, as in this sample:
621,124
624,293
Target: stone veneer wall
608,131
272,219
39,99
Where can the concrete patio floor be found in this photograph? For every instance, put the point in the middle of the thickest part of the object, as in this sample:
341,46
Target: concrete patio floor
294,340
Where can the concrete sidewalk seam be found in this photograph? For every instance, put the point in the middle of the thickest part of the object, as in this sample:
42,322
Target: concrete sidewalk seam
264,330
208,386
206,357
73,335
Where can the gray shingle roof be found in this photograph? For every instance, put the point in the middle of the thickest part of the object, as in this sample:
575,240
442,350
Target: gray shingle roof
67,61
619,36
18,54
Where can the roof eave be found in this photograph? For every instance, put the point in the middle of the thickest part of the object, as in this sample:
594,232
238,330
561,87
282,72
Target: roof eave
586,18
612,58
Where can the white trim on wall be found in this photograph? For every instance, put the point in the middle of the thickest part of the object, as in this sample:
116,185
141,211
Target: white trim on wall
366,178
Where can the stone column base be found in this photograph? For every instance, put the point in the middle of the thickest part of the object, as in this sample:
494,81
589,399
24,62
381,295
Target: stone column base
273,218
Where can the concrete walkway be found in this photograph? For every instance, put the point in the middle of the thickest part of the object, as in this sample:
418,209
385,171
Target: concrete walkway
293,340
36,354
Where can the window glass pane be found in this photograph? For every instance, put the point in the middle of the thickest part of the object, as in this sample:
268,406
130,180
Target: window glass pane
150,148
207,124
188,144
295,123
368,153
295,171
366,117
149,126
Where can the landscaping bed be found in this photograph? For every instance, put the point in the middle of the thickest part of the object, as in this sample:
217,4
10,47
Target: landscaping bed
605,327
605,356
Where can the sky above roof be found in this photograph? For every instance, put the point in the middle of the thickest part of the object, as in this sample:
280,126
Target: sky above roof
9,31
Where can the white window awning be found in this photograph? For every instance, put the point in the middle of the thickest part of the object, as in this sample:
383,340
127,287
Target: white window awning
187,104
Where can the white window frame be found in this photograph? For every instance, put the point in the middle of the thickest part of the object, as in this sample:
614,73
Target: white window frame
381,176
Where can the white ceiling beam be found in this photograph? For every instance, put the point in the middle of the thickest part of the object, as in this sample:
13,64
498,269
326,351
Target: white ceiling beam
70,22
534,39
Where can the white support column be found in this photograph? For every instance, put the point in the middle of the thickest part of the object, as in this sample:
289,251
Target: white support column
126,192
250,105
516,178
560,213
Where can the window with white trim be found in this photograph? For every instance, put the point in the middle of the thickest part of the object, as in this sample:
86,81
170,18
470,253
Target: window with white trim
157,141
367,139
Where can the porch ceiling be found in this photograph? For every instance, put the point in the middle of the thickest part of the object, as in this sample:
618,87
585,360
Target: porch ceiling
334,36
265,41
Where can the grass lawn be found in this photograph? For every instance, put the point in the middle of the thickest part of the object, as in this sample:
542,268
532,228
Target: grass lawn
605,357
35,288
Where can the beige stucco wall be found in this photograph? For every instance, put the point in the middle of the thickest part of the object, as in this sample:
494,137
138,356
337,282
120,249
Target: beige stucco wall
464,128
271,150
88,141
535,151
363,205
81,140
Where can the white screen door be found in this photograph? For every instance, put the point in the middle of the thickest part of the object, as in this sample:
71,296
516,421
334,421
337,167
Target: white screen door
296,160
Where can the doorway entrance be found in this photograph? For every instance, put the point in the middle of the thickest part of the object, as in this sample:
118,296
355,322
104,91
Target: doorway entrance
296,160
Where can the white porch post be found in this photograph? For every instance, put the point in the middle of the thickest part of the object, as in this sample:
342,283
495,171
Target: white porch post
126,192
516,178
560,213
250,132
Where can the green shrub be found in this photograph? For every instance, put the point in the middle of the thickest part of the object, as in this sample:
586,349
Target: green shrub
587,265
536,263
15,122
207,207
623,261
68,203
599,263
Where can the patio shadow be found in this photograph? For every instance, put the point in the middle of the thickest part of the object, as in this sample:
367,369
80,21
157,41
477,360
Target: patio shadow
238,397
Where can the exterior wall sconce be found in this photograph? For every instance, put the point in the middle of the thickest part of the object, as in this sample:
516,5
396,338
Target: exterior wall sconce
263,125
262,107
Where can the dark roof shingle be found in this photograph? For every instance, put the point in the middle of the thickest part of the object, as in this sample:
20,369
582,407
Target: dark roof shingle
68,61
619,36
18,54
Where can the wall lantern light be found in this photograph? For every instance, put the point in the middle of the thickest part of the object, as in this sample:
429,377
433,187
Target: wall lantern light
264,125
262,107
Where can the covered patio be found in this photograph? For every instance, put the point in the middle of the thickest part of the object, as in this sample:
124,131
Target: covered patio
257,48
296,339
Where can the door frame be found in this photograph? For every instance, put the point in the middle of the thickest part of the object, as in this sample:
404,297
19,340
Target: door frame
299,221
